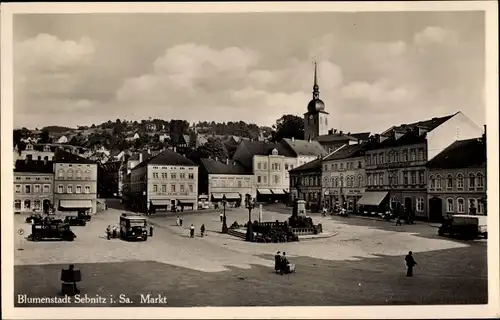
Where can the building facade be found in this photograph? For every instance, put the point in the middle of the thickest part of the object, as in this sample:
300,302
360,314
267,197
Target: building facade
164,181
107,177
33,186
305,183
344,177
229,179
316,118
457,180
75,183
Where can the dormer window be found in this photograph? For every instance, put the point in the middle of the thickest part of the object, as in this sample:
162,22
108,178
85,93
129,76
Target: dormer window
29,146
46,148
274,152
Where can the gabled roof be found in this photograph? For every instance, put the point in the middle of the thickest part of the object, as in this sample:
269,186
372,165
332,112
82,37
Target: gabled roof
262,148
336,137
461,154
304,147
34,166
61,156
347,151
167,158
409,138
314,165
429,124
217,167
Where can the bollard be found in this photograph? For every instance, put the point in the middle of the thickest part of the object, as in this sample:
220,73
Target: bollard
69,279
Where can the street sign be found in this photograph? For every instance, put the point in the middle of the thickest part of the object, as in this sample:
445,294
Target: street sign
20,231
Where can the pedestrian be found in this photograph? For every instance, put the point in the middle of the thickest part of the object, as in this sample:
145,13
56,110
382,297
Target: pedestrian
221,216
277,262
177,221
180,221
72,271
151,230
398,220
114,231
202,229
410,263
191,231
108,231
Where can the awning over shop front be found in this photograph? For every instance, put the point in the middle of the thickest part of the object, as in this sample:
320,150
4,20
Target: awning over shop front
75,204
264,191
161,202
278,191
373,198
285,191
217,196
233,196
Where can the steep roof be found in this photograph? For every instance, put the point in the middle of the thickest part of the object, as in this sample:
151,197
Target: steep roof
34,166
217,167
111,166
314,165
335,137
461,154
409,138
263,148
361,136
347,151
167,158
304,147
61,156
429,124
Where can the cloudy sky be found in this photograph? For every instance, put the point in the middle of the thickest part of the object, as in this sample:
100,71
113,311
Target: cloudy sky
375,69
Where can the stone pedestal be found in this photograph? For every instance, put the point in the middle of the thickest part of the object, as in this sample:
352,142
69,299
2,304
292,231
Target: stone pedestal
301,208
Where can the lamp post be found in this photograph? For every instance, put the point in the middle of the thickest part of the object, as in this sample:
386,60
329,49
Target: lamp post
224,224
249,204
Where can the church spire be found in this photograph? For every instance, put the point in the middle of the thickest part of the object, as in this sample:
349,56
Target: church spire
315,86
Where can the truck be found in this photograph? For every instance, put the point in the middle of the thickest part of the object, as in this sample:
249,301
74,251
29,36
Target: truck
133,228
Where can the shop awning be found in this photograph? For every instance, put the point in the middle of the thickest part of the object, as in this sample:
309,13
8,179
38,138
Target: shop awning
233,196
217,196
373,198
264,191
75,204
161,202
278,191
285,191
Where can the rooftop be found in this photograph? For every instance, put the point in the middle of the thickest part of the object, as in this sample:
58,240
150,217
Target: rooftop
429,124
34,166
305,147
347,151
167,158
264,148
409,138
217,167
461,154
61,156
314,165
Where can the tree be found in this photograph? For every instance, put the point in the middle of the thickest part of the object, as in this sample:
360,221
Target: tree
44,137
74,141
288,126
17,136
212,149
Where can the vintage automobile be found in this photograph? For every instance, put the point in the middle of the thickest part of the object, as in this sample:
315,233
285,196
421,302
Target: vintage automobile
133,228
464,226
85,216
60,231
34,218
75,221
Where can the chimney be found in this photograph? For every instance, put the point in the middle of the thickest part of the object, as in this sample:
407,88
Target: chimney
334,131
330,131
341,132
348,133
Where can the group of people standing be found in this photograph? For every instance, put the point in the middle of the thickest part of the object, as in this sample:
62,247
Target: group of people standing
282,265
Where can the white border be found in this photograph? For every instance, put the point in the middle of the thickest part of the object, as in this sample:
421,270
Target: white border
456,311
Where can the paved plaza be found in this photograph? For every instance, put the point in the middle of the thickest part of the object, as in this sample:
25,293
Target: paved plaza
362,263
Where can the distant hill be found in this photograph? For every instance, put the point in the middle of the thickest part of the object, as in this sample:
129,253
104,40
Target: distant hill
56,129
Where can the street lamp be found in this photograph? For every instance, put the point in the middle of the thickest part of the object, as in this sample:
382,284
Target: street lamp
224,224
249,205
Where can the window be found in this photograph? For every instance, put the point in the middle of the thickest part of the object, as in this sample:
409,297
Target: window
60,173
36,204
405,178
449,205
360,180
239,184
259,179
69,189
155,188
336,182
359,164
37,188
191,176
381,158
393,202
18,188
336,166
405,155
163,188
78,189
173,176
420,204
60,189
341,166
368,160
381,179
27,189
172,188
480,207
87,174
79,173
87,189
265,179
291,166
277,179
311,181
191,188
46,188
421,177
472,204
460,205
27,204
181,188
480,180
286,167
370,180
70,173
413,177
432,181
396,156
265,165
472,181
258,165
182,176
460,181
449,182
413,155
17,204
420,154
155,175
375,179
438,182
348,182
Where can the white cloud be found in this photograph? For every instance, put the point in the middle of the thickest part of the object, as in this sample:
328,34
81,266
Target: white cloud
377,92
435,36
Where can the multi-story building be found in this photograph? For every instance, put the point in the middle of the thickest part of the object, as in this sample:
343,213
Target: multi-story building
230,179
305,183
75,183
343,176
270,163
107,179
457,179
127,164
44,151
33,185
395,161
163,181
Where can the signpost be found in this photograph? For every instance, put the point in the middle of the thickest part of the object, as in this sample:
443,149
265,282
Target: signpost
20,232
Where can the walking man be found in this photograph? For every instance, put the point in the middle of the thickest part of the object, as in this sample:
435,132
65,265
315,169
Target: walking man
108,231
180,221
277,262
410,263
151,230
221,215
191,231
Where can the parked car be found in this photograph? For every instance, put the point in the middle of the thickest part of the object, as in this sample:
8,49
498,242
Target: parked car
34,218
60,231
75,221
465,226
85,216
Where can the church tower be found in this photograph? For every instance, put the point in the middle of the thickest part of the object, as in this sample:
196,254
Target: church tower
316,118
